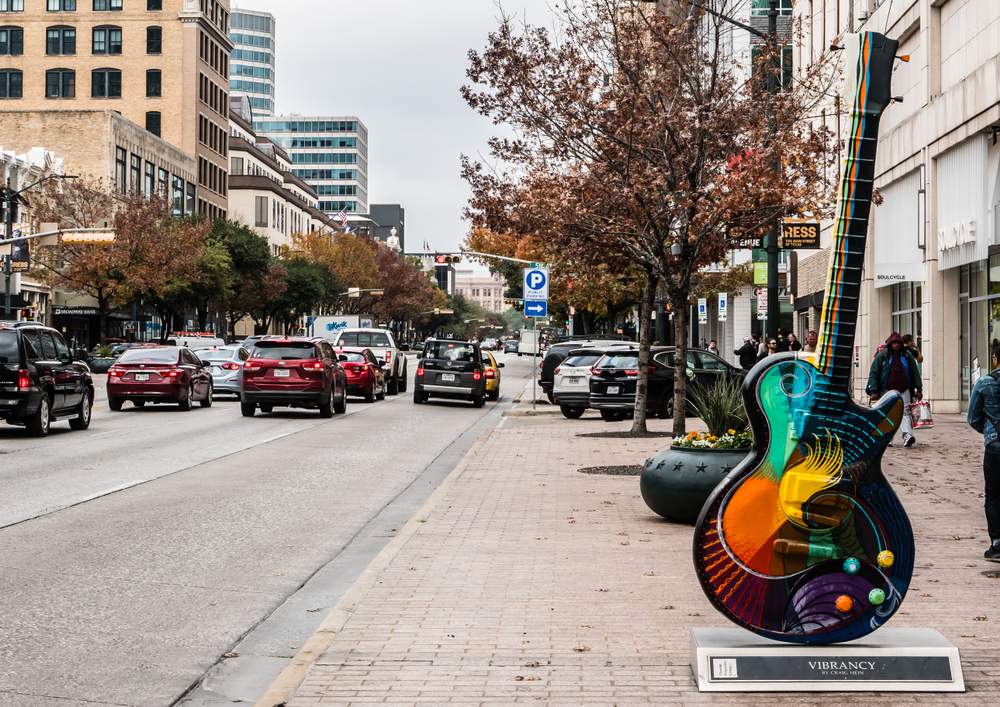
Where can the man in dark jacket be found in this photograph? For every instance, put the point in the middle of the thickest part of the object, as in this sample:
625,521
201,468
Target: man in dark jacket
984,416
894,368
747,354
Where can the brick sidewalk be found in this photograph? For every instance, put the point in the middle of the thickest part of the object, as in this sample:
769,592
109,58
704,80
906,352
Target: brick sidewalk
533,583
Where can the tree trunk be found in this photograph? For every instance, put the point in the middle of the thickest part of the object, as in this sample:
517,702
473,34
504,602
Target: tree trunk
102,307
203,315
645,339
681,307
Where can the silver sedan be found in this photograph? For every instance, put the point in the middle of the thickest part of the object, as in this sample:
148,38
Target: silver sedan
226,365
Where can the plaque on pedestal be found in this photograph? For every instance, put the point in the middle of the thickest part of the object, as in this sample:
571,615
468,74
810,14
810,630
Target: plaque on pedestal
889,660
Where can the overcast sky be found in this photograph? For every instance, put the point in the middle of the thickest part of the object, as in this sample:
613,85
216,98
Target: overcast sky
397,65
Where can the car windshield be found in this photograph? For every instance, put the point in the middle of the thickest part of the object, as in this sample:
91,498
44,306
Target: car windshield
284,350
450,352
353,357
584,360
149,356
8,347
215,354
364,338
619,361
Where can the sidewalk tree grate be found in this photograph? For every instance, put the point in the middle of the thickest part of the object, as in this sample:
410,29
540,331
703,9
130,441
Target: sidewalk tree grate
631,470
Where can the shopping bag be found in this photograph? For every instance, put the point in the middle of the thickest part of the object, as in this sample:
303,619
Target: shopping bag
920,413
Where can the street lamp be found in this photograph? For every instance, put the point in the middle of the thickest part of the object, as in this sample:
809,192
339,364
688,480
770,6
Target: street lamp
436,311
355,292
9,196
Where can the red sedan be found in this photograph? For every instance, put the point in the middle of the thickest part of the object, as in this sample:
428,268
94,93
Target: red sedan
364,373
164,374
293,371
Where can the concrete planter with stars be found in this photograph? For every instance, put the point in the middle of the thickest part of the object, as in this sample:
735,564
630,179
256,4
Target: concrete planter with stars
676,482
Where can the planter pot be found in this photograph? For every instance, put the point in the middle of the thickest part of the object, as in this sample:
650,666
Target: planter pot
676,482
100,365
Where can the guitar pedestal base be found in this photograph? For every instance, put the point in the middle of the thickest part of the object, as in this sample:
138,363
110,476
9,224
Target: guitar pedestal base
888,660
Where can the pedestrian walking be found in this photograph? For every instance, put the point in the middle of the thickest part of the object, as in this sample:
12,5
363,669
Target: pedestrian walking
984,417
769,350
911,346
894,368
702,345
747,353
712,348
782,341
793,342
811,339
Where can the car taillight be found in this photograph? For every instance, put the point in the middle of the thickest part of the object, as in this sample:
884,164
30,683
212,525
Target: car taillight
595,371
313,365
652,368
556,372
490,373
173,373
476,375
231,366
251,366
420,371
632,372
388,356
23,381
114,373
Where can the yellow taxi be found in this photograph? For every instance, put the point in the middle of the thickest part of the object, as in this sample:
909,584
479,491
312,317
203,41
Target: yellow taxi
492,376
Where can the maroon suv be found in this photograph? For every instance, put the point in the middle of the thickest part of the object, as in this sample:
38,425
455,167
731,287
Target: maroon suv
293,372
162,374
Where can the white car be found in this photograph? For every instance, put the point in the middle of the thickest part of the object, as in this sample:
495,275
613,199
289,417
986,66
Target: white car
571,381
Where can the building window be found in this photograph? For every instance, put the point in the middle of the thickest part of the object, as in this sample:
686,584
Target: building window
177,197
106,83
761,7
60,83
153,83
107,40
11,41
10,84
11,5
135,175
107,5
237,165
150,180
154,40
154,5
161,182
153,122
60,5
120,165
260,212
60,40
190,198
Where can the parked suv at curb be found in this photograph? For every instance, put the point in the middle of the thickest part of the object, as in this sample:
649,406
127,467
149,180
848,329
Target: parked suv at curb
41,381
450,368
293,371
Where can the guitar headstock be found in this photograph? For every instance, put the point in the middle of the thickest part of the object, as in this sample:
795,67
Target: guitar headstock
868,60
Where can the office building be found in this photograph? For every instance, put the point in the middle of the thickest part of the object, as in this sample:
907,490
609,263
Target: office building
162,64
485,290
329,153
251,66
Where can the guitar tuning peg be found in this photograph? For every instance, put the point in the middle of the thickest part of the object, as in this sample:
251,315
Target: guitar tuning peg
904,58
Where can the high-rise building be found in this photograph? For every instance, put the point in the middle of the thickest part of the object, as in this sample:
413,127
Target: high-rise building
251,71
161,64
329,153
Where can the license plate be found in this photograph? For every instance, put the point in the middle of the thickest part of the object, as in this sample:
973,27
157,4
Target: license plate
282,373
142,376
612,390
447,376
573,381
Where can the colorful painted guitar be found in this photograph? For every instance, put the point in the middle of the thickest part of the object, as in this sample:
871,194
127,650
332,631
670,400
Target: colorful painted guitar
805,541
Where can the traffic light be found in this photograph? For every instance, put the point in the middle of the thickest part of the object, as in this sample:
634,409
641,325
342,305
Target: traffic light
448,259
517,304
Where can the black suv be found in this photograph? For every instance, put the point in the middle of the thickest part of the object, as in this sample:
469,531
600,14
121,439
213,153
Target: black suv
450,368
41,380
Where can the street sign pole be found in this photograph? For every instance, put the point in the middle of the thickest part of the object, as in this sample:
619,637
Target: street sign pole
8,196
534,330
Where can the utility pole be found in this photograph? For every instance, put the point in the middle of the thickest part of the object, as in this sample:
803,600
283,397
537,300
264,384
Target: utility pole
9,197
773,86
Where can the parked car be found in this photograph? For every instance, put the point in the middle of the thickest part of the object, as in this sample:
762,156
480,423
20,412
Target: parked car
612,387
492,376
41,381
382,343
558,352
364,373
571,381
450,368
160,374
225,363
293,372
510,346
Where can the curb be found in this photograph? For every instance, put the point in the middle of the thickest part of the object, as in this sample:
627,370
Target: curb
288,681
513,412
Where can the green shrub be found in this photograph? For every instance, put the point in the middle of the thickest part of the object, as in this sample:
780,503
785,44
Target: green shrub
720,406
104,351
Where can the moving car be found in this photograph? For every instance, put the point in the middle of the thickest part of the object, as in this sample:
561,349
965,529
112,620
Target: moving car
612,386
293,371
364,373
558,352
510,346
571,381
383,344
450,368
492,376
225,363
194,341
248,342
160,374
41,381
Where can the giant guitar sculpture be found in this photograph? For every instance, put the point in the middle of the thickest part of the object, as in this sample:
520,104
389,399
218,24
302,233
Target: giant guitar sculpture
805,541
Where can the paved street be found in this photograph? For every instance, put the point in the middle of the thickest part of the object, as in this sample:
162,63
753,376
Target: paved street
137,553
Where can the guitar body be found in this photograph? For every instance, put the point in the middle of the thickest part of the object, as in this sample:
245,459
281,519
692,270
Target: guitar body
805,541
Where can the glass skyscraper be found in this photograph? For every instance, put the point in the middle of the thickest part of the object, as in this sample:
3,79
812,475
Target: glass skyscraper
251,65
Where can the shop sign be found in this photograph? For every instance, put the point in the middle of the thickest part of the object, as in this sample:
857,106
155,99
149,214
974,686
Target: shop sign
898,225
75,311
799,234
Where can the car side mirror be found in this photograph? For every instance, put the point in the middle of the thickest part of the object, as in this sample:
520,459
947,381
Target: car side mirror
341,358
499,365
420,355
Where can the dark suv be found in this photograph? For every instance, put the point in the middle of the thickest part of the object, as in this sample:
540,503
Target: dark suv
450,368
291,371
41,380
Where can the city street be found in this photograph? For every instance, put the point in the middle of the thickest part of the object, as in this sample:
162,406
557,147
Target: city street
137,553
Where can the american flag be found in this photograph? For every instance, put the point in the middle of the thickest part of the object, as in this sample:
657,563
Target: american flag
343,218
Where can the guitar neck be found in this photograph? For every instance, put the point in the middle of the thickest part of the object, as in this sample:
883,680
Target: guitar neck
839,321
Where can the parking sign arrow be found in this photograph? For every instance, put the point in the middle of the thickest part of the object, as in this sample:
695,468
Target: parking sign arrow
536,309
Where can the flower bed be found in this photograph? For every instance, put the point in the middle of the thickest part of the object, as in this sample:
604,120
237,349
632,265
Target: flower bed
703,440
